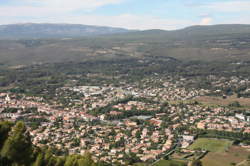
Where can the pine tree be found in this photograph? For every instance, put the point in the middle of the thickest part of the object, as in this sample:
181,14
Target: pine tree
39,160
196,163
71,161
86,160
18,147
60,161
5,128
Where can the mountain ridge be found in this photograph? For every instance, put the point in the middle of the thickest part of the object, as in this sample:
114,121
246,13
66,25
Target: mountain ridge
48,30
64,30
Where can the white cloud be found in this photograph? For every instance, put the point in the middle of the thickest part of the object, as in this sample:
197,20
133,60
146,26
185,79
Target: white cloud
229,6
206,21
27,11
70,5
62,11
42,8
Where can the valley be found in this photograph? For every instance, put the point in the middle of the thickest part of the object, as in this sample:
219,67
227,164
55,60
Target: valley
137,98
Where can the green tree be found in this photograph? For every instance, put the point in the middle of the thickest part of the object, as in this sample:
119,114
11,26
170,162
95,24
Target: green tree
196,163
39,160
5,128
70,161
234,104
18,147
86,160
59,161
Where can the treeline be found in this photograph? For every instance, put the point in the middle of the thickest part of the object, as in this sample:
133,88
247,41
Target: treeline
16,149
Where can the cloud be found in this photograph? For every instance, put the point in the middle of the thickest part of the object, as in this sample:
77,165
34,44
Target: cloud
40,8
70,5
67,11
206,21
64,11
49,11
229,6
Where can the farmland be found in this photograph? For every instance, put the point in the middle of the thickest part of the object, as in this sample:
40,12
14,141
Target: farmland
213,100
211,145
235,154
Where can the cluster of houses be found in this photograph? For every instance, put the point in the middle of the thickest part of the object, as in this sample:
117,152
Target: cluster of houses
73,129
106,142
222,122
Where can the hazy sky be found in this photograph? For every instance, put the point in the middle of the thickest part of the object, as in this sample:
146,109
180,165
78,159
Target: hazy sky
133,14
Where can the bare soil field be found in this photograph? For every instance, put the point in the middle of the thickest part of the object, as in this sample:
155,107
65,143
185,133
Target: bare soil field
235,154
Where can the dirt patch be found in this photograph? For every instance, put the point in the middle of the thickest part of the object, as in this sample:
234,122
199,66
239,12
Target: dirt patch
235,154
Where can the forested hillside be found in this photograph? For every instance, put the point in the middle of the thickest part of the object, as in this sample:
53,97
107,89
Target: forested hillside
198,43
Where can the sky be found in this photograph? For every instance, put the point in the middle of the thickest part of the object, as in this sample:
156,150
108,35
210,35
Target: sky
131,14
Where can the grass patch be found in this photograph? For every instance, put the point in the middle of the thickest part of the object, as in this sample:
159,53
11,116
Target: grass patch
212,145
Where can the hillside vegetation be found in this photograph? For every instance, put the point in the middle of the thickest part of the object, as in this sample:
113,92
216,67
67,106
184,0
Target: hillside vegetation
218,43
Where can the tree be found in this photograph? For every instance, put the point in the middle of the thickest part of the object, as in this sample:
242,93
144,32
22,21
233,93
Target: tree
60,161
5,128
196,163
86,160
18,147
248,157
234,104
70,161
131,158
39,160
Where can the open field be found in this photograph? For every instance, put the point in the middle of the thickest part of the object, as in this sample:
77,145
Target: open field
245,102
170,163
235,154
244,163
212,145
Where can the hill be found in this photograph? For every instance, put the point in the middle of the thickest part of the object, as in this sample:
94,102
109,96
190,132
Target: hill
229,43
197,31
29,30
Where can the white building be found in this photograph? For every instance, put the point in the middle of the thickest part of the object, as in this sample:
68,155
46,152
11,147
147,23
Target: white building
240,116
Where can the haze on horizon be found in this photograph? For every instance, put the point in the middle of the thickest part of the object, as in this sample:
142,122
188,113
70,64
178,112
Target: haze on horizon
131,14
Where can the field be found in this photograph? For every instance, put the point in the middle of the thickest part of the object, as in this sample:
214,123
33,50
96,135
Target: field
235,154
244,163
170,163
212,145
211,100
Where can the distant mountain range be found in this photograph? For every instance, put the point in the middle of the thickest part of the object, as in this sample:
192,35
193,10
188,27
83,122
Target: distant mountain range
31,30
189,33
45,43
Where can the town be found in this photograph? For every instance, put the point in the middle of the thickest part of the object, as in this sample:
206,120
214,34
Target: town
140,122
